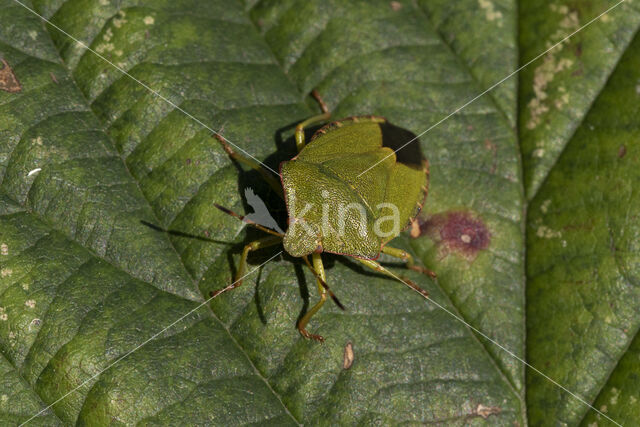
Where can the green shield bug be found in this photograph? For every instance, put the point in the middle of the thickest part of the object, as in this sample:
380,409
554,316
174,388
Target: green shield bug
337,203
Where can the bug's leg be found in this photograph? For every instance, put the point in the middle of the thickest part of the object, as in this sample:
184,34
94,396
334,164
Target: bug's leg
300,142
255,245
323,283
302,324
266,175
405,256
380,269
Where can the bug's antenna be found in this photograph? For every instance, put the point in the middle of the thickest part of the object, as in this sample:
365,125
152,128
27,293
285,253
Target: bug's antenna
324,284
182,233
247,220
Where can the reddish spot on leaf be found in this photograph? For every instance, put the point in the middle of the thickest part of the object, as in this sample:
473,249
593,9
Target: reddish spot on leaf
457,231
8,80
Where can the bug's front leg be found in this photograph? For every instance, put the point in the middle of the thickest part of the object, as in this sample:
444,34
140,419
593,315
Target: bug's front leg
255,245
300,142
405,256
302,324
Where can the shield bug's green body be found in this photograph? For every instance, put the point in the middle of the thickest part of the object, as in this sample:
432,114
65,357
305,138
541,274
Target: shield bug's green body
337,203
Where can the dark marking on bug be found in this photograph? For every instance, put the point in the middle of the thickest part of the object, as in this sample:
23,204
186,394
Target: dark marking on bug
8,80
461,232
349,357
622,151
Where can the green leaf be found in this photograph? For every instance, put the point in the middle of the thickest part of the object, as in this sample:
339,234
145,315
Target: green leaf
582,310
557,91
103,317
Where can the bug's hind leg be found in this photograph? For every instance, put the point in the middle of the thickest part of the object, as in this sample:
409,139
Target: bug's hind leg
300,142
405,256
380,269
302,324
255,245
266,175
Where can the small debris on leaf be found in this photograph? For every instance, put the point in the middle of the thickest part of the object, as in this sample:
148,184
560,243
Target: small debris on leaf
8,80
395,5
348,356
485,411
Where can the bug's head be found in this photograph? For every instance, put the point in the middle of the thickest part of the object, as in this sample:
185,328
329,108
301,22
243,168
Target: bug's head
300,239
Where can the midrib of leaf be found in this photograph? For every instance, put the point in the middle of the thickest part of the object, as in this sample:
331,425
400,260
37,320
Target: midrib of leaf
617,92
49,29
579,123
619,30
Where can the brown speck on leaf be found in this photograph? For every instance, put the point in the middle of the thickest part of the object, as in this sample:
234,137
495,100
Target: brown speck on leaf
460,232
206,233
348,356
491,146
485,411
8,80
53,78
395,5
622,151
578,50
188,162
